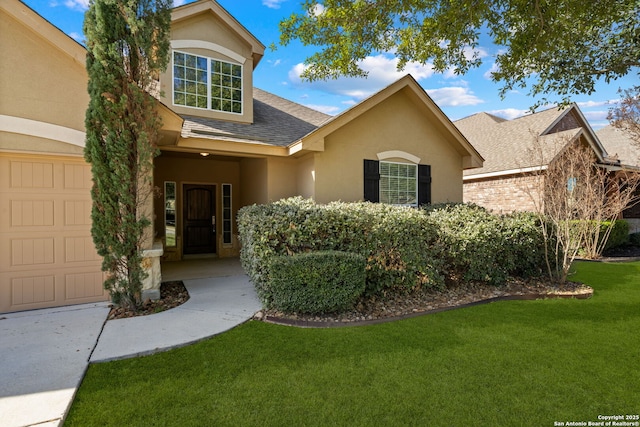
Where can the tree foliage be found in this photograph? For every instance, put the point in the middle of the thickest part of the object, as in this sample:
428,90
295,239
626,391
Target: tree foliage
565,45
128,45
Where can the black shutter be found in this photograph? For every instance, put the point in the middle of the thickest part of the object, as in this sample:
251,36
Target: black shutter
371,181
424,185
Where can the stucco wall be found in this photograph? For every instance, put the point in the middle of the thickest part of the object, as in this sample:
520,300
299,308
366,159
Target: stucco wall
503,195
39,81
253,178
396,124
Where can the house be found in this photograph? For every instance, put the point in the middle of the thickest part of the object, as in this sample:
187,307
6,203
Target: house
224,145
516,150
620,146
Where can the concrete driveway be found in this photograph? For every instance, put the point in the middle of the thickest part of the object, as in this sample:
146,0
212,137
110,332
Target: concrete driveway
44,354
43,357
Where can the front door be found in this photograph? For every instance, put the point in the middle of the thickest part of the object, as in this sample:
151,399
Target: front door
199,220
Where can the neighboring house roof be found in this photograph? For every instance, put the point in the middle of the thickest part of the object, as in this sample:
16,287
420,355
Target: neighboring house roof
526,143
619,144
277,122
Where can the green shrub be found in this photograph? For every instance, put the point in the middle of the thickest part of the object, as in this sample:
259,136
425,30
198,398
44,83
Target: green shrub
401,245
524,247
634,239
619,233
481,246
315,282
474,242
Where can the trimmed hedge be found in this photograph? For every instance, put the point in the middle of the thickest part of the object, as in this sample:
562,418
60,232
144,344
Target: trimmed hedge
634,239
402,247
485,247
619,233
315,282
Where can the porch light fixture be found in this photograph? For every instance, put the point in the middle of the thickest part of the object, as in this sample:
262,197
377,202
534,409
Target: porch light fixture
204,154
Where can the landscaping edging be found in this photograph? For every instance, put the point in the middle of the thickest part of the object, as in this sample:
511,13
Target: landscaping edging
337,324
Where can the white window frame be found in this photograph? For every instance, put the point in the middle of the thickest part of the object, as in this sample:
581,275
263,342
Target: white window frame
209,72
383,191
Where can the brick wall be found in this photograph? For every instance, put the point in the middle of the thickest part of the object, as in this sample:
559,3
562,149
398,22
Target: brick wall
502,194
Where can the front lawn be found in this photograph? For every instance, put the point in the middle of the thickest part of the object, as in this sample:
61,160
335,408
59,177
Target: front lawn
512,363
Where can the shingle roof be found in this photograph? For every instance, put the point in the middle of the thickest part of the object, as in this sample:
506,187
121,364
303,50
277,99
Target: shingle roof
511,144
276,121
619,144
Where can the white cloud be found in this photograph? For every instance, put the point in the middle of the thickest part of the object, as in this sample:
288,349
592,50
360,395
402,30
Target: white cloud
272,4
382,71
591,104
595,116
274,63
453,96
77,4
177,3
509,113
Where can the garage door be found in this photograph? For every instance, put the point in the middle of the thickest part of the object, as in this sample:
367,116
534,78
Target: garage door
47,256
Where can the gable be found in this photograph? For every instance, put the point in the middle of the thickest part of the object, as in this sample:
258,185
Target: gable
43,84
418,102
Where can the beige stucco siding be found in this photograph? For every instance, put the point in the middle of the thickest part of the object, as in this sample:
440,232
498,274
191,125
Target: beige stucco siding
40,81
253,179
219,43
306,176
396,124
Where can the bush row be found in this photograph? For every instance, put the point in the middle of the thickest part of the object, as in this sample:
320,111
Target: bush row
403,248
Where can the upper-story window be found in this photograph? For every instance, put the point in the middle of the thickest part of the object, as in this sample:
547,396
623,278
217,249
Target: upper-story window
207,83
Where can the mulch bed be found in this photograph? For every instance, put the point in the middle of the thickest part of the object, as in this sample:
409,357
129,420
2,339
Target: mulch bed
400,305
172,294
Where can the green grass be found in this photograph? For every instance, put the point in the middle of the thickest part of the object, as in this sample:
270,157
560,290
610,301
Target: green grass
512,363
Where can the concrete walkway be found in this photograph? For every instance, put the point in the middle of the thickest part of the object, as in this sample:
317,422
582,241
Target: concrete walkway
44,354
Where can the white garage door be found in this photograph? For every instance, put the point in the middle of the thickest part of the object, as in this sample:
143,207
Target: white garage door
47,256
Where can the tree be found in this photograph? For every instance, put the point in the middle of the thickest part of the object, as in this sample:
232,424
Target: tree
557,46
626,115
128,46
577,201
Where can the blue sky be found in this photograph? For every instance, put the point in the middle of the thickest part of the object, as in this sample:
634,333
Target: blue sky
279,70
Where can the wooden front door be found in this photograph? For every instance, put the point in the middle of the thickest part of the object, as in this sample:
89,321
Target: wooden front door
199,221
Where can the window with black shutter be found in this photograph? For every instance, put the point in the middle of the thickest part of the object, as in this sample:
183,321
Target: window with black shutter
397,183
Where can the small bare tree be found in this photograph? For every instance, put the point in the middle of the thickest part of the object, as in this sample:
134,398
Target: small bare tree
577,201
626,115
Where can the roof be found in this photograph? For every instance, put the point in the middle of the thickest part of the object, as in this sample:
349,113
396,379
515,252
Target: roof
530,141
619,143
277,122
